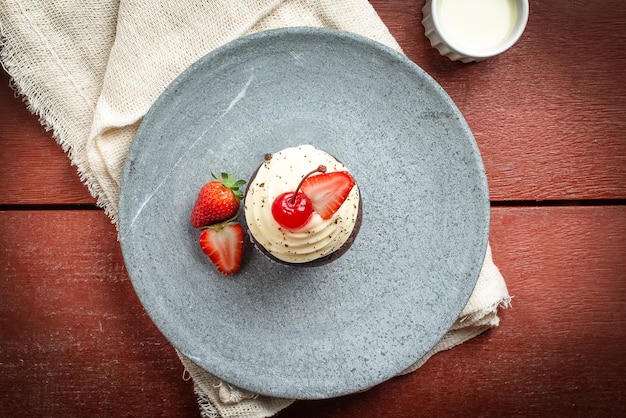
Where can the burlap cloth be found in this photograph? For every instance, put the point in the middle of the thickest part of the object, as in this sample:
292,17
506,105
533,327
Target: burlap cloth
90,69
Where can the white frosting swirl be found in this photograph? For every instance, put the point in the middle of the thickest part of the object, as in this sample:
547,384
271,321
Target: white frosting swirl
282,173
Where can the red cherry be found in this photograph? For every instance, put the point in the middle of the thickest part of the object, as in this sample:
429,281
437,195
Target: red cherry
292,211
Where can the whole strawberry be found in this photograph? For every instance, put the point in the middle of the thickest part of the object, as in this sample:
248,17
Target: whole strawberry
218,200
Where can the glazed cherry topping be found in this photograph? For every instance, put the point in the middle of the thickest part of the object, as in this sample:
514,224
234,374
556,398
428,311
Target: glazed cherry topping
292,210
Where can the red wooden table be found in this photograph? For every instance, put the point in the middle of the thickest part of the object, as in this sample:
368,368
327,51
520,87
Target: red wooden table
549,117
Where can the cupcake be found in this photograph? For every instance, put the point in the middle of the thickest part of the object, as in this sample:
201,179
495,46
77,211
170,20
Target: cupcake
302,207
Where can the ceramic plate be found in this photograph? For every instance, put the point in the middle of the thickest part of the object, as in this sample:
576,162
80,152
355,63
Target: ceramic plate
318,332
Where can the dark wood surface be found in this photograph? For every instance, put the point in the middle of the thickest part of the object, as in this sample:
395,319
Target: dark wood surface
549,119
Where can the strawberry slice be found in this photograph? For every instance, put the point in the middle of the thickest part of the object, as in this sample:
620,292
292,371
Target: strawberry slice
328,191
223,243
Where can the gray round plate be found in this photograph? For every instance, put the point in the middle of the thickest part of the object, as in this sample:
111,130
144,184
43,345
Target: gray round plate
297,332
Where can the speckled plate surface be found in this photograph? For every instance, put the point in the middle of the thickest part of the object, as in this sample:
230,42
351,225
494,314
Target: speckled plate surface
344,327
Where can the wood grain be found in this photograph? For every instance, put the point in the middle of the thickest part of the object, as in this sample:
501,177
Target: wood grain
75,340
33,168
547,114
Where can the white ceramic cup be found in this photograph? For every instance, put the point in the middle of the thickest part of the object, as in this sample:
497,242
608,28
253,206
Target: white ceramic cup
472,30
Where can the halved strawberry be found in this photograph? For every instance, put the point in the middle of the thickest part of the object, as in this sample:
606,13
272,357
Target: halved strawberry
328,191
223,243
218,200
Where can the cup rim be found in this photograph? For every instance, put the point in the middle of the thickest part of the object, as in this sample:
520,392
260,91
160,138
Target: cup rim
516,33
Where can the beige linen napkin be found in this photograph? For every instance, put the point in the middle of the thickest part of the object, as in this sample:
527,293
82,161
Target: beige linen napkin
92,68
